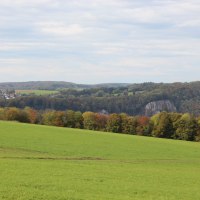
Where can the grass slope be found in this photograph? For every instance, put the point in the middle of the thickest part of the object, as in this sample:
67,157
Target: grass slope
40,162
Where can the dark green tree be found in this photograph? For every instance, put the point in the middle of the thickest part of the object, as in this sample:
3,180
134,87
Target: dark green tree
162,125
186,127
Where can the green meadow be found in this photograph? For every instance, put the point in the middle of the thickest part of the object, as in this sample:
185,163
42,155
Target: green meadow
50,163
36,92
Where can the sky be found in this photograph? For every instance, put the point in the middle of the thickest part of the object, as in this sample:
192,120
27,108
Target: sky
100,41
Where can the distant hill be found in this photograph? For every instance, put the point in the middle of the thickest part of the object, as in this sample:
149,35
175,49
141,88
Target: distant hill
54,85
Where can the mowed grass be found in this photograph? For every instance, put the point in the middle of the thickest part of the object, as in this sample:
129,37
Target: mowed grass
40,162
36,92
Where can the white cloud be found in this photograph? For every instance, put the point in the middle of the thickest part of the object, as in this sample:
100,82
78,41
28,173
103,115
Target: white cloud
116,39
14,3
61,29
12,61
17,46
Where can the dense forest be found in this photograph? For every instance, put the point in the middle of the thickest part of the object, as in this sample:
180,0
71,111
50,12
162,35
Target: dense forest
163,125
132,99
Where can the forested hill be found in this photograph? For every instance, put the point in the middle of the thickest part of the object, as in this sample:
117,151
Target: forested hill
133,99
54,85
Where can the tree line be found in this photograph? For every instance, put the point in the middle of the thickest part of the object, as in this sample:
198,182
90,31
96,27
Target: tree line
162,125
131,99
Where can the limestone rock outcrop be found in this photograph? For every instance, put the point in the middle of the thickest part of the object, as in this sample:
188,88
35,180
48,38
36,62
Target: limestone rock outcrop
159,106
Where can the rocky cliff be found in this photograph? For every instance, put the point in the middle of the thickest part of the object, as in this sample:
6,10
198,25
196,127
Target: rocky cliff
159,106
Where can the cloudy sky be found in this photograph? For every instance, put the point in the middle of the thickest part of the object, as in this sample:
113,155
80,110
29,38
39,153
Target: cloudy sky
95,41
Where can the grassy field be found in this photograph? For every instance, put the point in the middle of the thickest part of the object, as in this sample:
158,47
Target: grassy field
36,92
49,163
